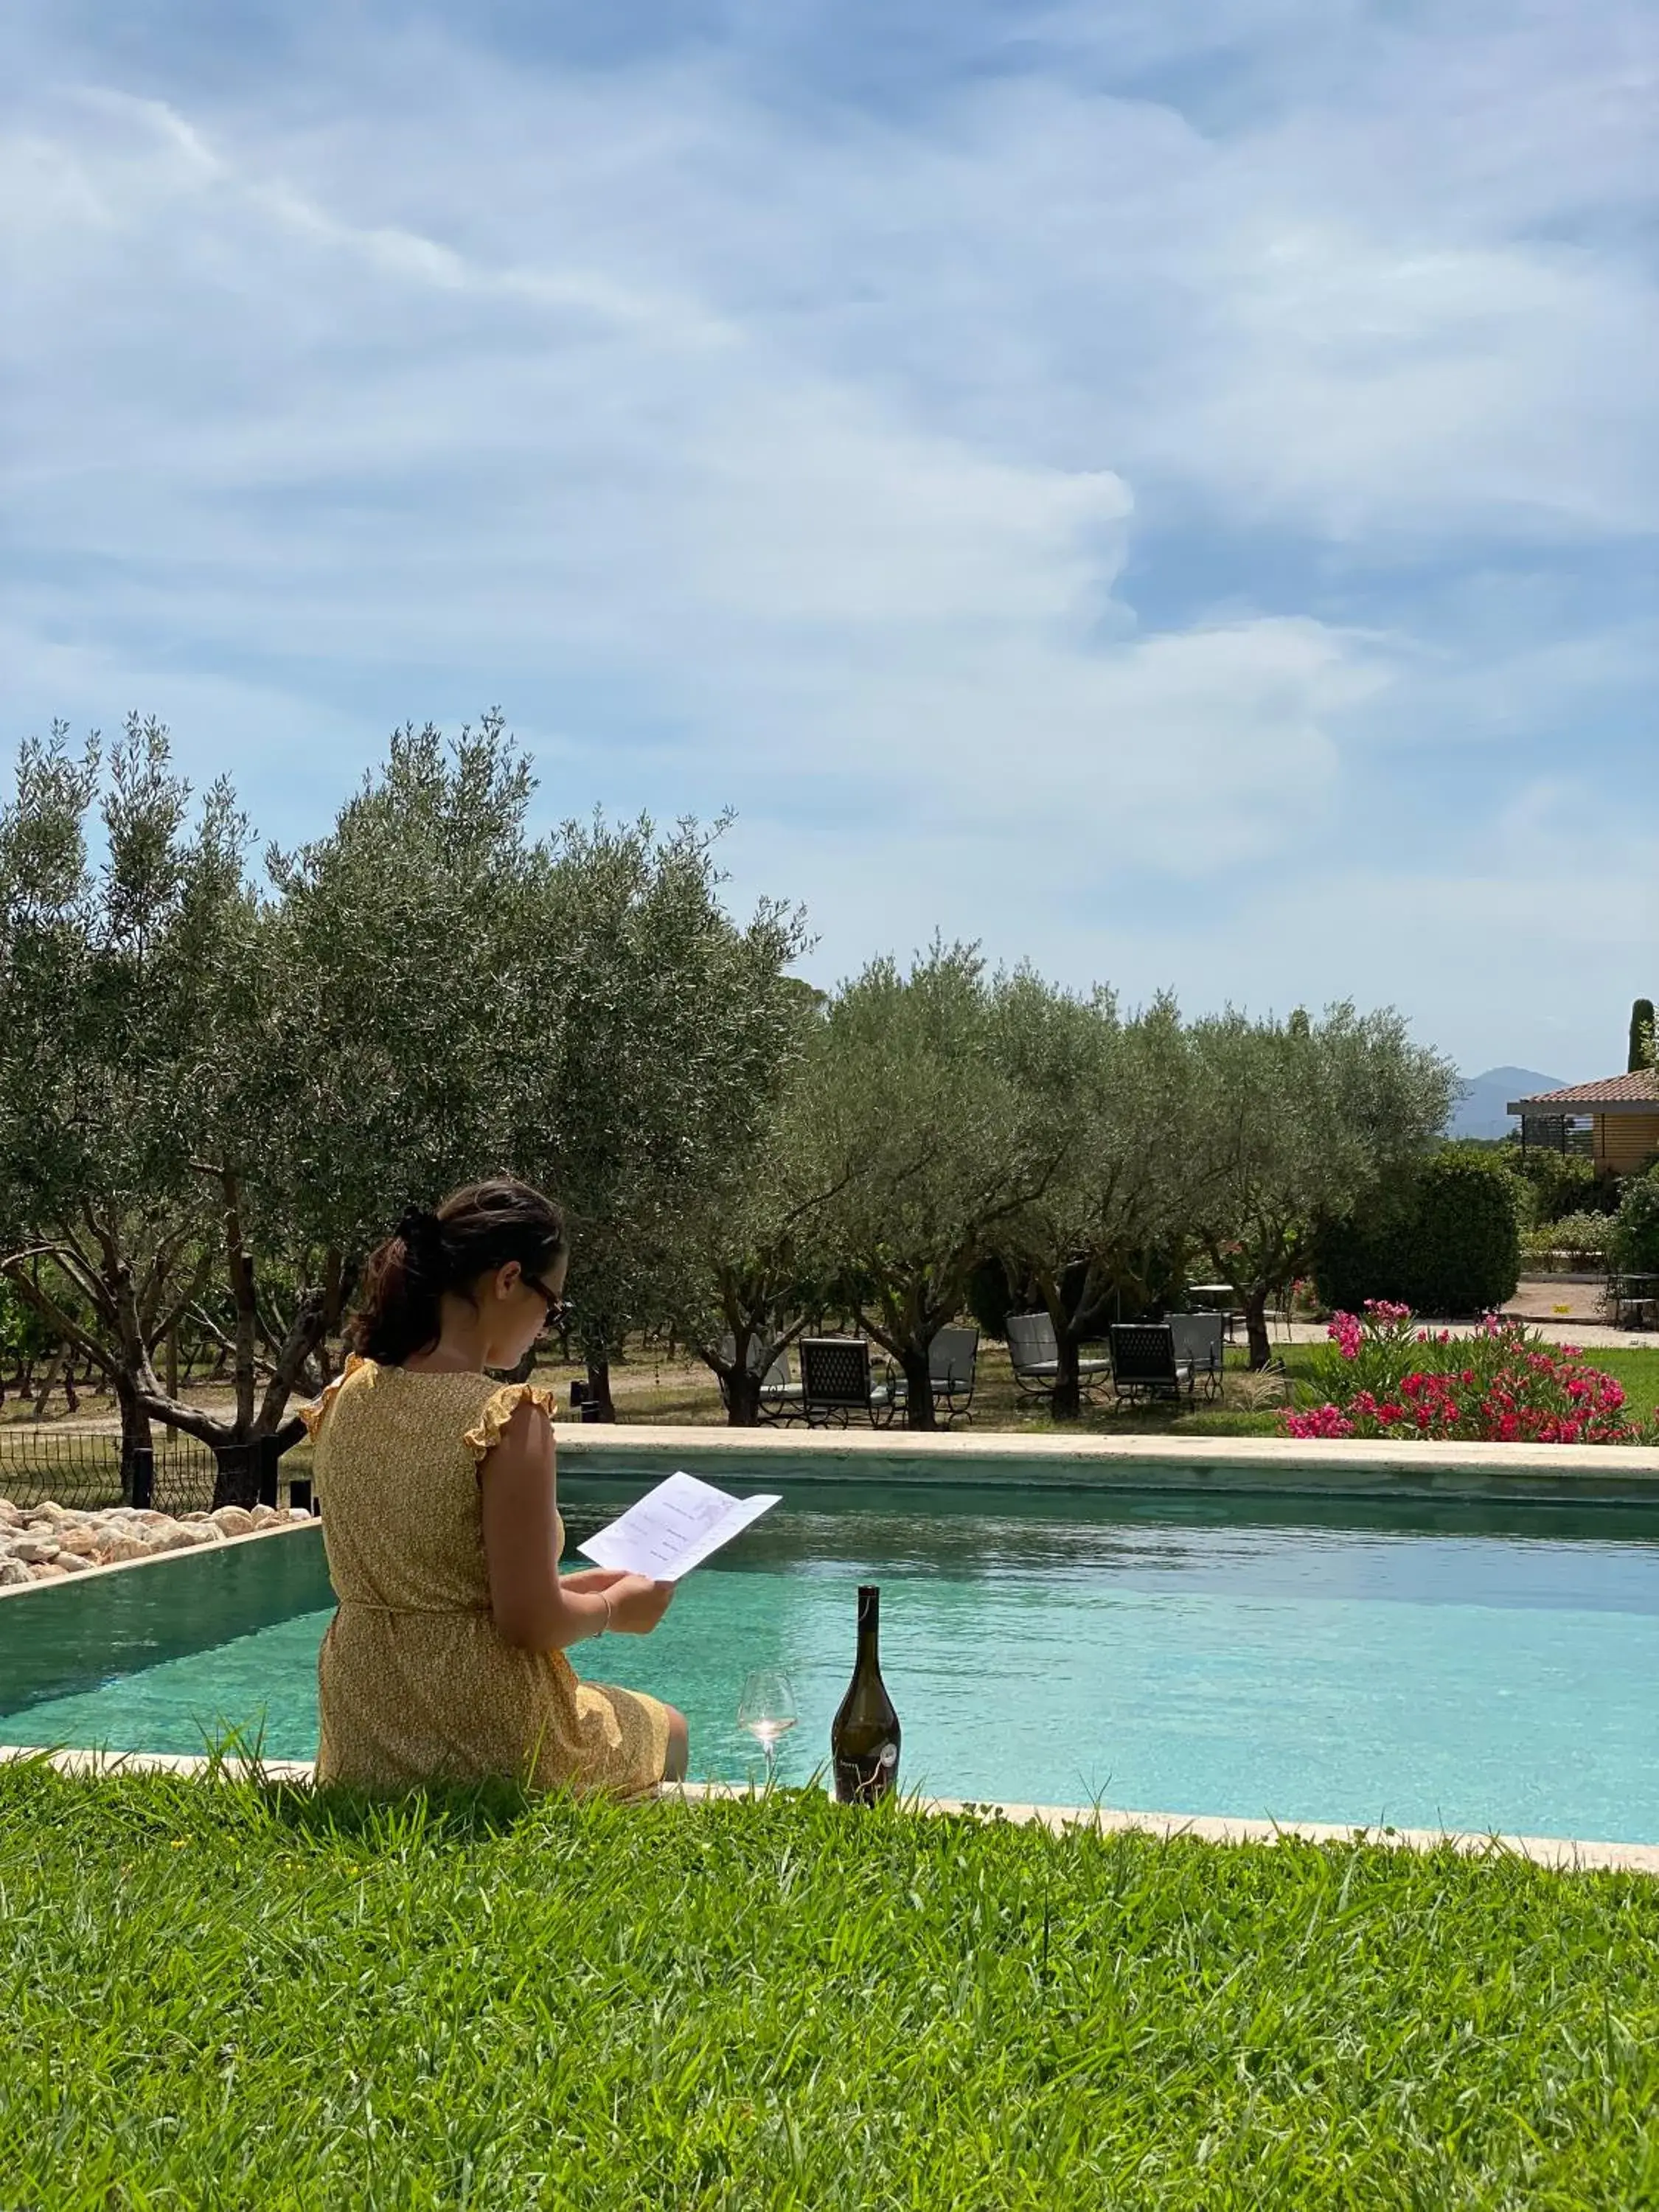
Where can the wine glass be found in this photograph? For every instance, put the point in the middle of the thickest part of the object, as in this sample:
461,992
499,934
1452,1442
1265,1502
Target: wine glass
767,1710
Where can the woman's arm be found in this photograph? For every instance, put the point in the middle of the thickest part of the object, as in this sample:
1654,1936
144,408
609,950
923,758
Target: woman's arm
532,1605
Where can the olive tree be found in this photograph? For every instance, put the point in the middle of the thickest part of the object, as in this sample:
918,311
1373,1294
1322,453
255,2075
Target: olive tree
409,1002
759,1262
1111,1091
929,1142
216,1098
1291,1126
125,985
652,1064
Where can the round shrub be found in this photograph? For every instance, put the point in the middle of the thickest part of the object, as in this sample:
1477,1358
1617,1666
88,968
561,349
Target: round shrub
1447,1242
1634,1246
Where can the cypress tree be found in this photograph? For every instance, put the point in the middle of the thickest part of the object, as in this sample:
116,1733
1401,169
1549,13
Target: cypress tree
1641,1035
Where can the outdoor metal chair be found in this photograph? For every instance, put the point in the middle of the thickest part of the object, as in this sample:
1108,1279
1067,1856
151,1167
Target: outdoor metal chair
1035,1357
1199,1338
1144,1361
835,1383
952,1364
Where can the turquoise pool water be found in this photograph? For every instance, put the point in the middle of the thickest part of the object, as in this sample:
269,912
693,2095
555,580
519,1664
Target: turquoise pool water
1476,1666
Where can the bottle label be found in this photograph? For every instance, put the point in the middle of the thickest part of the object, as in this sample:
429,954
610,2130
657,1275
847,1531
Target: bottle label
865,1779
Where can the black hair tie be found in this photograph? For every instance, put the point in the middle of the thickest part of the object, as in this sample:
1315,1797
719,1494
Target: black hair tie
423,1234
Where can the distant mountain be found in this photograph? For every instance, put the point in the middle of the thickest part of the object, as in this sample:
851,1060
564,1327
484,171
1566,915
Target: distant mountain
1482,1113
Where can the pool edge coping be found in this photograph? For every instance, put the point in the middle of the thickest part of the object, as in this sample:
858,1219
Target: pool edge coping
1557,1854
156,1558
578,1441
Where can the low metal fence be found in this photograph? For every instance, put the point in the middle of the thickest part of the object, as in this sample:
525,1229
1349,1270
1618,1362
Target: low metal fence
82,1468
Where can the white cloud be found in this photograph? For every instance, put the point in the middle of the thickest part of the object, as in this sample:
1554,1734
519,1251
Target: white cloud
803,459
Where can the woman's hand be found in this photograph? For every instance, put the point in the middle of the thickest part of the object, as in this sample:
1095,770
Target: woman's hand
594,1582
637,1604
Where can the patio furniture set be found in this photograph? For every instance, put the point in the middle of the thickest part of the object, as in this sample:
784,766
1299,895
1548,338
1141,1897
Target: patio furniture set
840,1380
1632,1301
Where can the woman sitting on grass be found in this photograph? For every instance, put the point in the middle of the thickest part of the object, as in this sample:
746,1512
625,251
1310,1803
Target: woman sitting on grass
446,1659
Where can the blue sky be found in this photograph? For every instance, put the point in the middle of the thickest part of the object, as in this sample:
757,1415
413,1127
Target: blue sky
1171,491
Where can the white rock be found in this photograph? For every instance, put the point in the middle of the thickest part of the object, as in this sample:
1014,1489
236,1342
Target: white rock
300,1513
80,1542
233,1521
202,1534
47,1510
115,1548
34,1551
72,1563
10,1515
47,1571
13,1571
168,1540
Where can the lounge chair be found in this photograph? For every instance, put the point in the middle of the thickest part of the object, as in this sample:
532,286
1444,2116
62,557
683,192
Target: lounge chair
779,1398
1034,1355
952,1364
1144,1361
1198,1338
835,1383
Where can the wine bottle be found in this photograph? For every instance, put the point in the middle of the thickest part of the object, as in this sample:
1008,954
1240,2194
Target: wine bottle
863,1736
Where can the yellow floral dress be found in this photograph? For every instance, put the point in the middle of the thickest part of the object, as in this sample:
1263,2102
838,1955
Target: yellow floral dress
414,1682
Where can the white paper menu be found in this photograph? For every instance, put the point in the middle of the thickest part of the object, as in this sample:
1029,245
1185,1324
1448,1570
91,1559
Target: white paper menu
672,1529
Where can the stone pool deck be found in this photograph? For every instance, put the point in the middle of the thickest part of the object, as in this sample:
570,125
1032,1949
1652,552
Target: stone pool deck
1561,1854
1267,1466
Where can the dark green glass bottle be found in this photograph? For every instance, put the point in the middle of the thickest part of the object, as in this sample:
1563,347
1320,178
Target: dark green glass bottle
863,1736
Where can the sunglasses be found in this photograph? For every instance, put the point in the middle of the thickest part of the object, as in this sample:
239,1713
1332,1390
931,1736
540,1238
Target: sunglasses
558,1310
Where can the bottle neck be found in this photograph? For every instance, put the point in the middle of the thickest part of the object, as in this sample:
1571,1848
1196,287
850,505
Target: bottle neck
869,1626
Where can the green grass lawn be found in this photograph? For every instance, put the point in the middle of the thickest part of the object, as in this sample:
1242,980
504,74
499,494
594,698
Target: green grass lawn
215,1995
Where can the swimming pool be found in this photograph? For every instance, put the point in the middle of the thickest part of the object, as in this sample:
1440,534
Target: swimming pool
1470,1664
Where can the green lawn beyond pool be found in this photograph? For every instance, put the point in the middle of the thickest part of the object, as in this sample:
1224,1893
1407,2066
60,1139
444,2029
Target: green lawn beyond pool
218,1996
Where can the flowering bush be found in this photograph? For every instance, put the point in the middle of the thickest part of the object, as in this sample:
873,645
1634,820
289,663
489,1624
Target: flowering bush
1503,1384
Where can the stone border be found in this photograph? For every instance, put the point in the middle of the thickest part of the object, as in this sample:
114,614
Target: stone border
1271,1465
1559,1854
155,1559
581,1440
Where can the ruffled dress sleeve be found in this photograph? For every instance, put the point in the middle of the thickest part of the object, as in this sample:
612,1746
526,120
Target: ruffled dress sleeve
499,1409
313,1414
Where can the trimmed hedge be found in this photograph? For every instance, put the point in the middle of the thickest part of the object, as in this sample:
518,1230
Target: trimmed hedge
1448,1243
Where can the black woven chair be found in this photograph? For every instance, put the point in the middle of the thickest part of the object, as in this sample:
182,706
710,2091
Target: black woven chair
1144,1361
835,1383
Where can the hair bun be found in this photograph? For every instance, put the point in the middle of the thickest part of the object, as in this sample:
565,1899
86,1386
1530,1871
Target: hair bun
423,1234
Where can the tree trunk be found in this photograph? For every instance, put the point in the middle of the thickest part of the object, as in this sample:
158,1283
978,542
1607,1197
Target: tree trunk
135,1430
1066,1400
1256,1327
599,1388
47,1381
743,1387
919,1388
237,1481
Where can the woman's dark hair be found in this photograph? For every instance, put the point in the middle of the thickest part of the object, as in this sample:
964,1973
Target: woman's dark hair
474,1231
